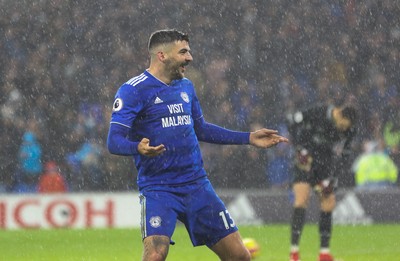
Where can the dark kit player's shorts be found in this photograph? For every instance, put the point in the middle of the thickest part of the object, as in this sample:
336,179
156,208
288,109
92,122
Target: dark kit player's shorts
311,169
196,205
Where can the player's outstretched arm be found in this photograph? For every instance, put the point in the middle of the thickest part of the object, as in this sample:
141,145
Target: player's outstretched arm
266,138
145,149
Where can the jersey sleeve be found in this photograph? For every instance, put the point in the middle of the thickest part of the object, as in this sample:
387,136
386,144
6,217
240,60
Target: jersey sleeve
300,121
117,142
127,105
197,112
295,122
211,133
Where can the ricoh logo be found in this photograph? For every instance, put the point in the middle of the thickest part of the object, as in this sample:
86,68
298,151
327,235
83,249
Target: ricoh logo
36,212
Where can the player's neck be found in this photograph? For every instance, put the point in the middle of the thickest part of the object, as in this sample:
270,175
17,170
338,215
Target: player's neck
159,75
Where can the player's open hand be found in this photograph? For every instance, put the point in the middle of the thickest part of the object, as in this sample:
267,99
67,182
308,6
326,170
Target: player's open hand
265,138
145,149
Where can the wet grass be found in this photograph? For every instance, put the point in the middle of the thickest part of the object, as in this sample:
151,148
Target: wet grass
349,243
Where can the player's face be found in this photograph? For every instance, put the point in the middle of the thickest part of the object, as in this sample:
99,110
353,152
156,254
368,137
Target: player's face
342,123
178,58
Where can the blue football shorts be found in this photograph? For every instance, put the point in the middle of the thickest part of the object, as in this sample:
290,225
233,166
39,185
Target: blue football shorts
196,205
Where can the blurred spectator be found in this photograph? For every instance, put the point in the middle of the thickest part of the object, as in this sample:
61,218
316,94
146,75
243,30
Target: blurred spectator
86,166
8,153
51,181
391,126
279,163
391,135
374,168
30,164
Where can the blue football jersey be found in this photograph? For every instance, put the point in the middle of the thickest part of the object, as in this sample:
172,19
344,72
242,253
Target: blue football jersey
165,115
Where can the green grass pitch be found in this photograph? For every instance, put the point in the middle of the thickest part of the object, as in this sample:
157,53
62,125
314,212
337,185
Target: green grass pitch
349,243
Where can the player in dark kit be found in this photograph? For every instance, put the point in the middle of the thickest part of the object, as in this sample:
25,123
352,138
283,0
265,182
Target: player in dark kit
158,120
315,132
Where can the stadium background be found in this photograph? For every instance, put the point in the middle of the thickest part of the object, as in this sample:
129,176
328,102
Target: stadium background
254,61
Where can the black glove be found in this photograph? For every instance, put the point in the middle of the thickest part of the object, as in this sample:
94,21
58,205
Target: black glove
303,159
326,186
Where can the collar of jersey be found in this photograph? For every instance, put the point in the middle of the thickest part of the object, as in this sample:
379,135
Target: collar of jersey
158,80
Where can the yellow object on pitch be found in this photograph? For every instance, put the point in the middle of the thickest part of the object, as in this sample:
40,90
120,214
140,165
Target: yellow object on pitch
253,247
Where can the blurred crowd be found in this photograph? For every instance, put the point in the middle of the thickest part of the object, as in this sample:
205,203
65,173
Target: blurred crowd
61,63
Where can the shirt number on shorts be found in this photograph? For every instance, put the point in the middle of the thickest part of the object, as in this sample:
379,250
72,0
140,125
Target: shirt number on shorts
225,216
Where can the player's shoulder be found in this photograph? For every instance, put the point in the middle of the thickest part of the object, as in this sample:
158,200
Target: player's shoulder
317,110
137,81
307,113
188,82
184,83
134,85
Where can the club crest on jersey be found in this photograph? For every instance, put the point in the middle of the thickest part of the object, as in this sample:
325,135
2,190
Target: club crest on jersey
185,97
117,104
155,221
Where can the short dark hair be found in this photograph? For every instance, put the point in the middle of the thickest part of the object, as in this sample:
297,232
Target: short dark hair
349,112
166,36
